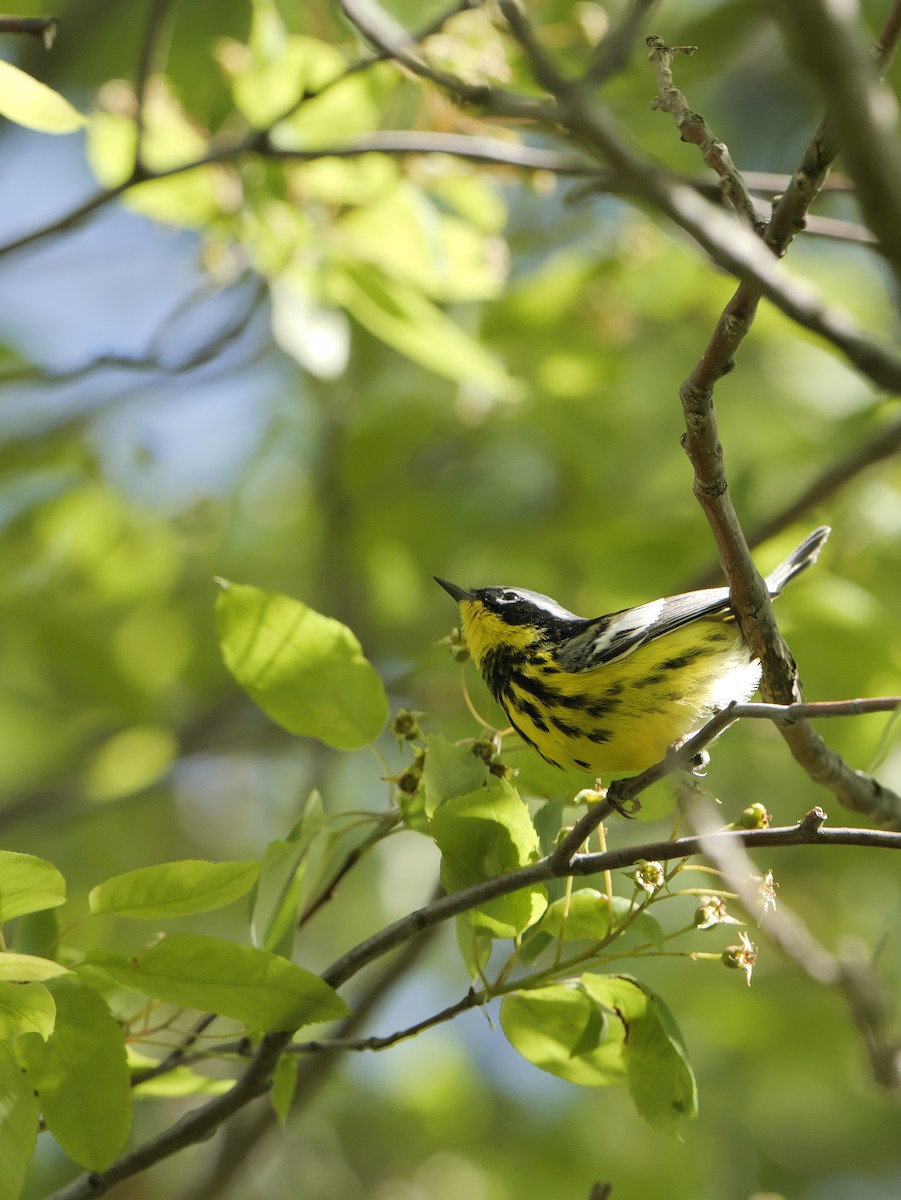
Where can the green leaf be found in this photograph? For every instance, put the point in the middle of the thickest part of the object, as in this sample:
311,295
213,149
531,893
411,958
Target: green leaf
262,990
182,1081
29,102
306,671
171,139
25,1008
485,833
275,69
284,1084
401,316
81,1076
276,896
18,1125
588,918
561,1030
20,968
450,771
660,1078
174,889
350,107
474,945
441,255
28,884
129,761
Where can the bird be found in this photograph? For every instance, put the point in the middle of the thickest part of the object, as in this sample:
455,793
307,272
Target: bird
613,693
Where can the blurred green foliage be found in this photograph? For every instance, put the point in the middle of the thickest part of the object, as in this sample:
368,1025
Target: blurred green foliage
468,374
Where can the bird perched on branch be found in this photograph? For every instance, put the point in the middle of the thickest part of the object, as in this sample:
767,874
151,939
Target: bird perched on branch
612,693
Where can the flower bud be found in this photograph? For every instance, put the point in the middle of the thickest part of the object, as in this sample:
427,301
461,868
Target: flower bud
405,725
649,876
741,958
754,817
712,911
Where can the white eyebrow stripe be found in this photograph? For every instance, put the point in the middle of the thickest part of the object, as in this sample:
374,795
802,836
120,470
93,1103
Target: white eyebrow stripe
545,603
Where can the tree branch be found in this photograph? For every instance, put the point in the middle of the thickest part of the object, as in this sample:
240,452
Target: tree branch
311,1076
694,128
43,27
882,445
850,974
200,1123
730,246
861,111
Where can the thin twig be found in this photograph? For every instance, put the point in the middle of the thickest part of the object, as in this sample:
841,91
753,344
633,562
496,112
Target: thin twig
400,142
882,445
861,110
850,974
736,249
180,1055
312,1074
381,831
472,999
750,596
694,128
200,1123
787,714
45,28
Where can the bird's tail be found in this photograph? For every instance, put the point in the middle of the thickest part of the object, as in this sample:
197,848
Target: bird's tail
800,558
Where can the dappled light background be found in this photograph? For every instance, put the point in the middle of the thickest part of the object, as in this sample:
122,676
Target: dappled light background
336,380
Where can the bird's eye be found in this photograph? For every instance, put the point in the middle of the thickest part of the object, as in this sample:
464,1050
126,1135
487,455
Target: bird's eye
508,597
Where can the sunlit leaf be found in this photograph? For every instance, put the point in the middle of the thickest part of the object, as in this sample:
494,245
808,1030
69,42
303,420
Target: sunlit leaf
129,761
475,946
585,916
276,896
450,771
400,315
18,1125
284,1084
21,968
486,833
444,257
25,1008
345,110
174,889
171,140
560,1030
306,671
181,1081
261,989
660,1079
29,102
28,884
81,1076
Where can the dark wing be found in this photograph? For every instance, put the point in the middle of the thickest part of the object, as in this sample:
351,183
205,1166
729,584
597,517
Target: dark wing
618,634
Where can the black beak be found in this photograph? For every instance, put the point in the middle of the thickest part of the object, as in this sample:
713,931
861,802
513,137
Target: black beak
458,593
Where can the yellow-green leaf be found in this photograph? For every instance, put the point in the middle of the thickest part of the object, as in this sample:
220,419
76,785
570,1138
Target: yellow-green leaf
81,1075
261,989
25,1008
28,884
307,671
29,102
174,889
18,1125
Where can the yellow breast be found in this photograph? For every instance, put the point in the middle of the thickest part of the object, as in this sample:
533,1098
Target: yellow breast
622,715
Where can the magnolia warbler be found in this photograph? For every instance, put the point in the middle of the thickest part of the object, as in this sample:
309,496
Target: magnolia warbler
612,693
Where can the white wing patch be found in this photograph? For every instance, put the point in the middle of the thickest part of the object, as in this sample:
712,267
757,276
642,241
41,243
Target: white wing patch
615,636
